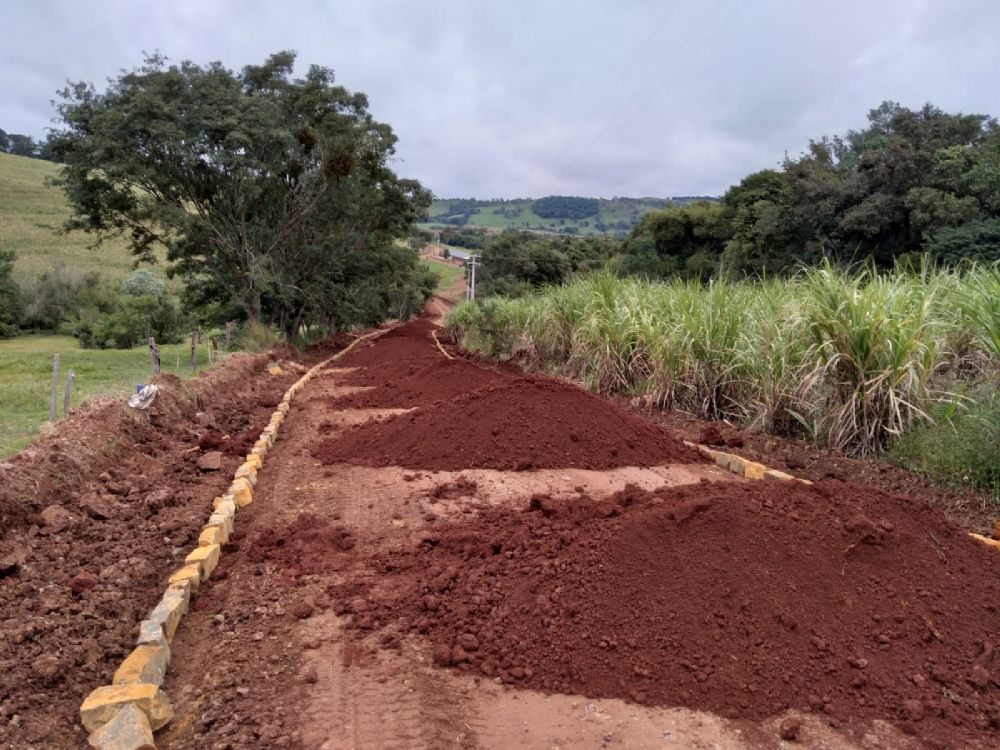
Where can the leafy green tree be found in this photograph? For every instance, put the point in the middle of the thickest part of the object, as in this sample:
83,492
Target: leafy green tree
10,297
565,207
143,282
683,240
265,183
513,263
755,209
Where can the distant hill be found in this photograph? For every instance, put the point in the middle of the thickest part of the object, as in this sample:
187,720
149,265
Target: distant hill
555,213
30,213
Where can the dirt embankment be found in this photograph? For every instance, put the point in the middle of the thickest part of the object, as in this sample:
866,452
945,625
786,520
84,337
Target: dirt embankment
95,516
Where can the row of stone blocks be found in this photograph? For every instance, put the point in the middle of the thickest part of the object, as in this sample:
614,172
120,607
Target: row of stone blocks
744,467
124,714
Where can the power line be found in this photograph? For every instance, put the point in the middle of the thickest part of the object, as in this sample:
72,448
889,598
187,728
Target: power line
650,79
679,70
635,56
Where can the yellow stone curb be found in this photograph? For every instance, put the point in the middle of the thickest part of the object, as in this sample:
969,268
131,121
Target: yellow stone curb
101,706
126,713
995,544
206,558
128,730
743,467
145,665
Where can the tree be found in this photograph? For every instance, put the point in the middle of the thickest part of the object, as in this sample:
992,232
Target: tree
683,240
10,298
21,145
266,184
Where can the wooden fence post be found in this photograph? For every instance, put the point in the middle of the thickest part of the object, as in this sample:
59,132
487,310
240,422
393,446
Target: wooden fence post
229,333
194,350
55,388
154,355
67,399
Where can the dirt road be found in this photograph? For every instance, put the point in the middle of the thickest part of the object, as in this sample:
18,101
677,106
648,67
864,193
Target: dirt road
321,631
445,554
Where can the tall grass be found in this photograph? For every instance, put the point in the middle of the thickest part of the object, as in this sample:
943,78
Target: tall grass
849,360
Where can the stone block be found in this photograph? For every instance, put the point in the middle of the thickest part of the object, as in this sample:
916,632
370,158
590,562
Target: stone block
206,557
151,634
128,729
223,521
753,470
779,476
248,472
211,535
242,492
255,460
171,608
190,573
146,664
103,704
992,543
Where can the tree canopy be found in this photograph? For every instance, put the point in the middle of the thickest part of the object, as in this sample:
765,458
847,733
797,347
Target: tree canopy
272,191
913,181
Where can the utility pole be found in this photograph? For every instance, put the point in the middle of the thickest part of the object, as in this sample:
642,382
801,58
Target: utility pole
472,274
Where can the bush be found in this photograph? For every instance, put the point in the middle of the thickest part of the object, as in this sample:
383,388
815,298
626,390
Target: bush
961,447
10,296
256,337
134,319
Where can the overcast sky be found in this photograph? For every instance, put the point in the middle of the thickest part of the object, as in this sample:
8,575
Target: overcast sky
522,99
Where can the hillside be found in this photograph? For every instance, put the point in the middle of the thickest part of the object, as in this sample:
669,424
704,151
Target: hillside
31,213
607,215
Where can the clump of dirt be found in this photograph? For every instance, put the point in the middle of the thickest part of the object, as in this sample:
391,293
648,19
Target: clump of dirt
328,346
309,544
521,424
415,383
461,487
742,599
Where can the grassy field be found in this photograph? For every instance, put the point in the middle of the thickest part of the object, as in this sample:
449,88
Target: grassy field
617,214
26,378
31,213
850,361
446,272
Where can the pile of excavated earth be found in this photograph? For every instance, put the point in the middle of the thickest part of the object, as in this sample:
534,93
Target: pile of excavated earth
94,518
744,599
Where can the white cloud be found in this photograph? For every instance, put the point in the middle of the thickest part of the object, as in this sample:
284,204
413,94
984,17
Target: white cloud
486,98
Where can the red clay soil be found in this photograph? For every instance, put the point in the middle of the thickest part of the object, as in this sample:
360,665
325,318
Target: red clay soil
967,507
742,599
96,517
521,424
407,342
415,383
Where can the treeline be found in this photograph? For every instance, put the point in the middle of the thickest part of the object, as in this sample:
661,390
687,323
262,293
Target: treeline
565,207
101,313
24,145
913,182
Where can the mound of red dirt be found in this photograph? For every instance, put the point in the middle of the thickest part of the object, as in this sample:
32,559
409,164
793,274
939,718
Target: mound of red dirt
520,424
742,599
415,383
410,341
303,547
